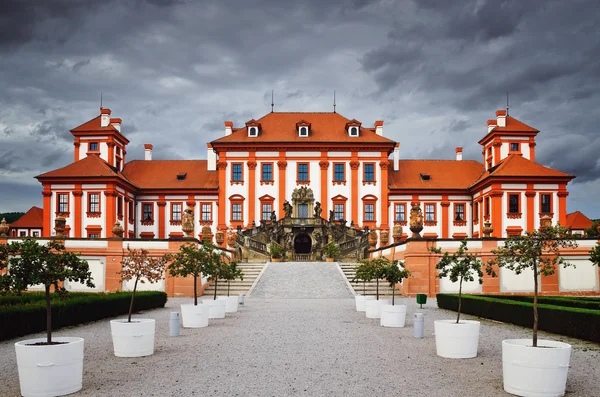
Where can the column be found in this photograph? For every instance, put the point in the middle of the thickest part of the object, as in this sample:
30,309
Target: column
445,224
222,169
354,165
47,231
497,214
385,206
162,205
530,195
77,144
251,188
282,165
324,164
111,153
531,150
77,218
562,205
497,146
110,195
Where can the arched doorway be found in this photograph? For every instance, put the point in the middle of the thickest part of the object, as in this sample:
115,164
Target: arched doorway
302,244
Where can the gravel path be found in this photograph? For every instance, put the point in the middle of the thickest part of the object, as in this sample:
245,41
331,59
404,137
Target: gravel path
300,347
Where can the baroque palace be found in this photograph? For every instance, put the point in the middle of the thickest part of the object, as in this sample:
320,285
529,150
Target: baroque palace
300,180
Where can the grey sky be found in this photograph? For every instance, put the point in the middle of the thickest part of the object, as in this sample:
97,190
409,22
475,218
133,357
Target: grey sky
174,70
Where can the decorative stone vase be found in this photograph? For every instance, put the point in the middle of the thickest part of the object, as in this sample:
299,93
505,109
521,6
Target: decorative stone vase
3,228
187,223
220,237
231,239
385,237
59,226
372,238
416,221
206,233
545,221
487,229
397,233
117,230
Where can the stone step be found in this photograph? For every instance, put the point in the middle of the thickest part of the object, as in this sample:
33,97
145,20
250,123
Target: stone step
236,287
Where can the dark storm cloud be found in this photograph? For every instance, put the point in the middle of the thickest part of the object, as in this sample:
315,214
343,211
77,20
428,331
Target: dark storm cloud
175,70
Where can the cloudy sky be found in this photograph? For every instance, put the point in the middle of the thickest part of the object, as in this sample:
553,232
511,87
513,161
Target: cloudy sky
174,70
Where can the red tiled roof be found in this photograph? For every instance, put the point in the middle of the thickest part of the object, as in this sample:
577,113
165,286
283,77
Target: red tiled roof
444,174
162,174
32,218
325,127
94,125
517,165
514,125
577,221
90,166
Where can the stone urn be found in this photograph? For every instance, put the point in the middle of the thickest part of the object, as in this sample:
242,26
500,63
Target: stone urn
59,226
206,234
385,237
117,230
416,221
220,237
187,222
231,239
3,228
372,239
545,221
487,229
397,233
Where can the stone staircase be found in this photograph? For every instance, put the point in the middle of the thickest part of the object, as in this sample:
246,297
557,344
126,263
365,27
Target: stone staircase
371,288
251,273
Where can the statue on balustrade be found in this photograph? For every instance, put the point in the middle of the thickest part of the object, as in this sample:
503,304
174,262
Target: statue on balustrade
318,210
287,209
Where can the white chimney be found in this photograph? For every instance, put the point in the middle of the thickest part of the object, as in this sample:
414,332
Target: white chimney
211,157
104,117
228,128
501,118
458,154
397,157
116,123
148,151
491,125
379,127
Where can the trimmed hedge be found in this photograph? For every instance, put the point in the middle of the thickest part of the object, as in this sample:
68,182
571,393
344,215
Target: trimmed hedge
566,301
73,309
569,321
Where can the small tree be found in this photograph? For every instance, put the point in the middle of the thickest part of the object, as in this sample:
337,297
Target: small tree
276,251
595,255
192,259
394,273
30,263
376,267
460,266
332,250
231,271
142,267
216,267
364,273
539,251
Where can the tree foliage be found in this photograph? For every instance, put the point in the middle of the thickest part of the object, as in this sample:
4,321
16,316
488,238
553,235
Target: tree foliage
231,272
394,274
460,266
192,260
364,273
11,216
138,265
373,269
595,255
539,251
29,263
593,231
216,267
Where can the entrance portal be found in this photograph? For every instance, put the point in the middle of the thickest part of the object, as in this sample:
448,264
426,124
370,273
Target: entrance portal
302,244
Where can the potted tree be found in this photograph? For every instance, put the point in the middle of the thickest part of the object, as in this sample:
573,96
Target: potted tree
43,361
394,315
458,339
378,266
364,273
532,367
276,252
191,260
135,338
332,251
214,270
231,271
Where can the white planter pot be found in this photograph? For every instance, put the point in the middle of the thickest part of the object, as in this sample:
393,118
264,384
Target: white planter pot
53,370
393,316
134,339
216,308
373,307
535,371
231,303
194,316
360,300
241,299
454,340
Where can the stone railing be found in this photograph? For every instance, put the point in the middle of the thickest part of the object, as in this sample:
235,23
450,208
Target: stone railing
257,246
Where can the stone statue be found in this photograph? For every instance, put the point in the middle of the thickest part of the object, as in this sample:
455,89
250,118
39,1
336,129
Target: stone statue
289,242
273,217
416,221
287,209
331,216
318,210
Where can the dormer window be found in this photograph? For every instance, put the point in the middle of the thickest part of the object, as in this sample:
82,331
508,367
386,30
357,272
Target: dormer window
253,128
353,128
303,128
181,176
303,132
425,177
253,132
353,131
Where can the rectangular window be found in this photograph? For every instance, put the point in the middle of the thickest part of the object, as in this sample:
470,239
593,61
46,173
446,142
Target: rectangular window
266,212
302,210
176,211
369,212
94,202
120,206
513,203
207,212
514,147
430,212
236,172
63,203
93,146
476,212
118,165
130,210
147,215
339,212
36,234
267,172
236,212
459,212
94,235
369,175
303,172
339,172
400,213
22,234
546,204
